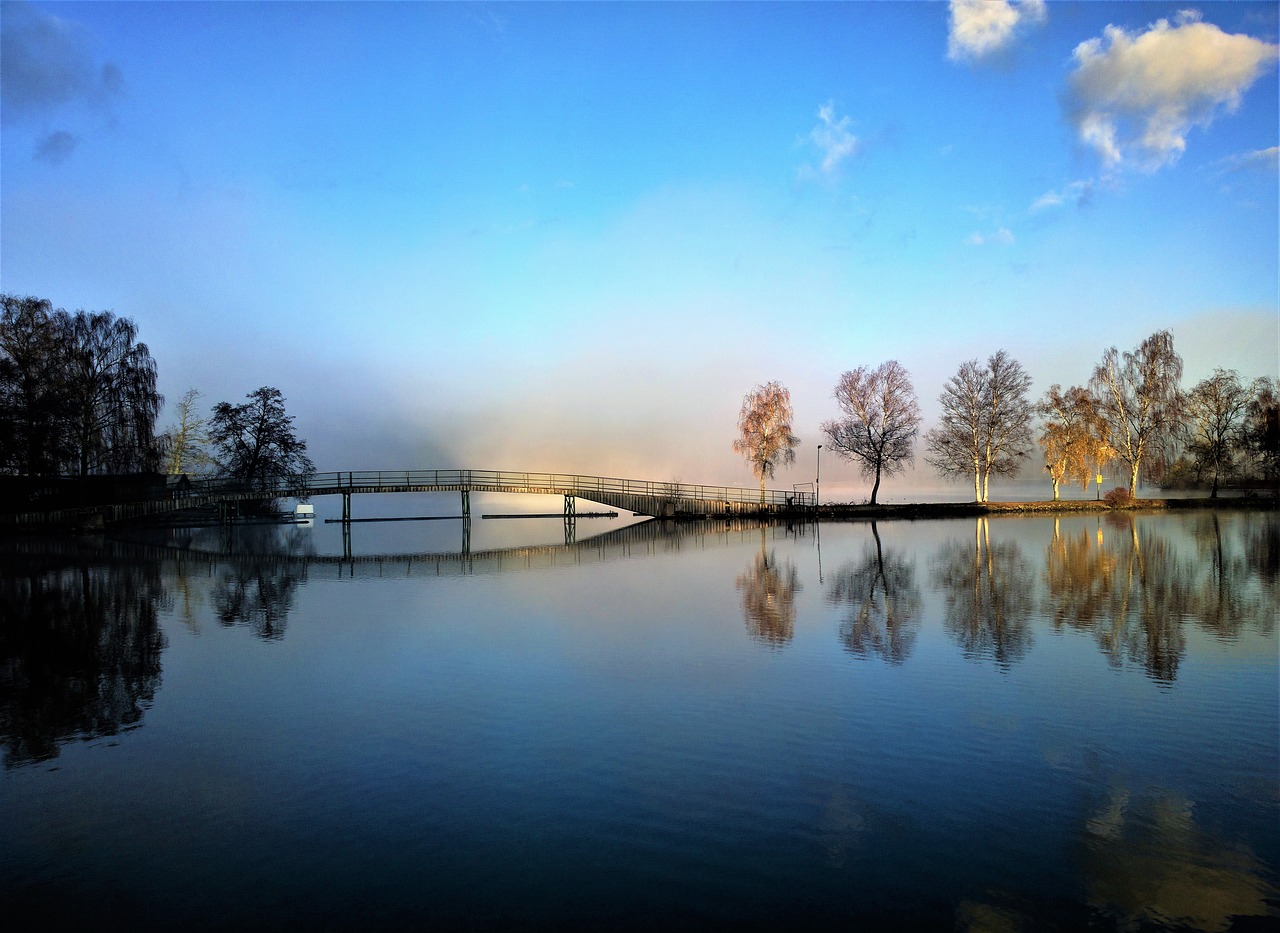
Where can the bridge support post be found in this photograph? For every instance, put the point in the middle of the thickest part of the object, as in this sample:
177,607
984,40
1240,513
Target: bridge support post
466,505
346,508
570,508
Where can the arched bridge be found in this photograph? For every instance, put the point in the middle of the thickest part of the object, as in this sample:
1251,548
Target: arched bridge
645,497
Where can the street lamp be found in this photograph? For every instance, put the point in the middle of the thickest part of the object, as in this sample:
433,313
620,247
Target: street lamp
817,483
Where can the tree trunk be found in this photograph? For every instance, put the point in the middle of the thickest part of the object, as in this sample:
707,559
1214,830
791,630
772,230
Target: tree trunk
876,488
1133,479
1055,490
977,484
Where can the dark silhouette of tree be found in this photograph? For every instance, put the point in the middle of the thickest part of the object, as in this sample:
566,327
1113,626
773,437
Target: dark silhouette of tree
1214,413
988,596
256,443
883,600
80,651
986,422
1139,400
769,589
78,391
1260,434
1073,437
764,430
880,420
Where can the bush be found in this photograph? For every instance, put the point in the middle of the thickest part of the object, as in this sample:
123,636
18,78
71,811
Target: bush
1118,498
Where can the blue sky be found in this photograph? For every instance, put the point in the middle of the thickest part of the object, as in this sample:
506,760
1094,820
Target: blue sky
571,237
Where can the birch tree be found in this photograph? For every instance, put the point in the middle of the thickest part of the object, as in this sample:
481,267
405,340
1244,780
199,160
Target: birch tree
880,420
1139,399
764,430
1073,437
986,422
183,443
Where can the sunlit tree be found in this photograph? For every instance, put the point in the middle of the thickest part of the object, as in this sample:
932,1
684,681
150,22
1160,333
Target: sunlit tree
879,423
764,430
1073,437
985,426
1139,399
183,443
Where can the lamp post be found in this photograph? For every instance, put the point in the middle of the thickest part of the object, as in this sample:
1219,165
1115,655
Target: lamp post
817,483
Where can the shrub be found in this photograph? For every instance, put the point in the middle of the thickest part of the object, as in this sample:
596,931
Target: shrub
1118,498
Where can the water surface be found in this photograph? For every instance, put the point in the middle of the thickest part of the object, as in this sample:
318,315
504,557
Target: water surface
972,724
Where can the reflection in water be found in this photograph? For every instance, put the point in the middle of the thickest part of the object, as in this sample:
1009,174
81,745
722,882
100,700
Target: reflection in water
988,596
884,603
1147,862
1127,586
769,589
79,652
257,593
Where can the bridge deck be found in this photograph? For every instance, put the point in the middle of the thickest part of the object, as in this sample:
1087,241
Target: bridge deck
644,497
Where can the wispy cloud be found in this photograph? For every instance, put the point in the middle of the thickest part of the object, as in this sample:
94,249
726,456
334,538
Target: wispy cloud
1002,237
1078,192
1257,160
56,147
1134,96
982,28
833,139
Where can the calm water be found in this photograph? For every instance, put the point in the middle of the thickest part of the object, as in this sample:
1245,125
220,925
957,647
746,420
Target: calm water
977,725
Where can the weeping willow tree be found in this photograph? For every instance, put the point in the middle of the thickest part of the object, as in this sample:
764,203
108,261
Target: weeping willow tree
78,391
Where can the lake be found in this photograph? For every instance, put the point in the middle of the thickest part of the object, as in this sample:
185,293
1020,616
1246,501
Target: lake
1005,723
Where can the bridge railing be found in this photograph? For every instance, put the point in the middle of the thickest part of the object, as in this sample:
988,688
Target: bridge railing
500,480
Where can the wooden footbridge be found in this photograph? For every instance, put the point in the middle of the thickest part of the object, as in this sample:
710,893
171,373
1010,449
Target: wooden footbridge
643,497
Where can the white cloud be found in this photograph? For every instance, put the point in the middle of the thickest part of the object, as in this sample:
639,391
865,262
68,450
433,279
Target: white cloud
980,28
1135,96
834,140
1081,192
1002,237
1258,160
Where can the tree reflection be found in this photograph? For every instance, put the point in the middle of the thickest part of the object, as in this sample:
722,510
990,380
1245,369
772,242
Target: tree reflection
883,603
1148,862
769,589
79,653
1128,585
258,593
987,592
1225,597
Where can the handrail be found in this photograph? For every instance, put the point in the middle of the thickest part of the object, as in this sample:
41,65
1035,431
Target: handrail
499,481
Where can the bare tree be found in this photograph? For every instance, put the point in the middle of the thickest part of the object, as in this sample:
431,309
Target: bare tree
1214,411
986,422
764,429
257,442
1139,399
183,443
79,391
1073,437
1261,432
881,420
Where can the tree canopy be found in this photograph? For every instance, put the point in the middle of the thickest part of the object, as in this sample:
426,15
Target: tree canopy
764,430
986,422
880,420
78,391
256,444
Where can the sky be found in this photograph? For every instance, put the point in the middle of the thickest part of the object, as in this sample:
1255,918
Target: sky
571,237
